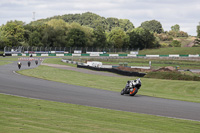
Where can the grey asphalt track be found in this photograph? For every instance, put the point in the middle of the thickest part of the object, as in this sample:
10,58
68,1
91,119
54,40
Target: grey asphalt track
14,84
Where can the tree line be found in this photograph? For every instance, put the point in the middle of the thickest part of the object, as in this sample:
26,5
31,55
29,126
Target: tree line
85,30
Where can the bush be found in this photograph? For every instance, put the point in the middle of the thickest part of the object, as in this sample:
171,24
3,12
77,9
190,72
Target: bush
175,43
164,45
173,75
164,37
182,34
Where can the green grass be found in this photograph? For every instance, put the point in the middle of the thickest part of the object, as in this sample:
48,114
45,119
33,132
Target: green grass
189,73
170,89
171,50
6,60
24,115
173,75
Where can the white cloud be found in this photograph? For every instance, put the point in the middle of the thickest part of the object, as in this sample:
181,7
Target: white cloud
168,12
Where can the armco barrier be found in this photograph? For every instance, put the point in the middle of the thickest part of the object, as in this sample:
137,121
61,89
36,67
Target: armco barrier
52,54
123,54
114,70
104,54
85,54
183,55
69,54
163,55
107,55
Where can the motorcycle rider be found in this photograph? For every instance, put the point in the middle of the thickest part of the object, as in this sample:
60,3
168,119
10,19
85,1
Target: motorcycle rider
19,65
36,62
127,85
29,63
131,83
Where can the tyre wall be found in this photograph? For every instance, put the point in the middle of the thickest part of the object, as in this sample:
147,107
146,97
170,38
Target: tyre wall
114,70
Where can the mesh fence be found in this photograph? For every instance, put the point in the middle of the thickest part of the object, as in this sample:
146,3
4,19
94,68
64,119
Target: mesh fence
21,49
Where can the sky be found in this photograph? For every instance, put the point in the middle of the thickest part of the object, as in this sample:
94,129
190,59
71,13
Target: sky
185,13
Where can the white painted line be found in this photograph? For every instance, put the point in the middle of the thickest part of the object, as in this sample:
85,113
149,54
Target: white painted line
16,73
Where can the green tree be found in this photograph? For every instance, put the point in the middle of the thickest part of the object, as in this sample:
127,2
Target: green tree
197,40
152,26
117,38
175,32
142,39
58,24
34,33
48,36
100,37
87,31
198,30
35,39
3,39
175,28
126,25
93,20
76,38
60,28
13,33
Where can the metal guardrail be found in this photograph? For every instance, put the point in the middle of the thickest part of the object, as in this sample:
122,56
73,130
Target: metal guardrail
103,55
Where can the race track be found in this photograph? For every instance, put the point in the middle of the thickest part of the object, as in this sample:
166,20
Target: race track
15,84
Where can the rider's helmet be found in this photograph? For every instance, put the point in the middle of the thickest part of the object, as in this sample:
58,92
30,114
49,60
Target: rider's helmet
138,80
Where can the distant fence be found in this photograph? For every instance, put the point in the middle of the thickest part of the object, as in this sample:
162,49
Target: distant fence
47,50
105,55
75,51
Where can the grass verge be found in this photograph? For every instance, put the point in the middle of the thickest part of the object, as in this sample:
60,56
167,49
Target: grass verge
171,50
170,89
173,75
6,60
22,115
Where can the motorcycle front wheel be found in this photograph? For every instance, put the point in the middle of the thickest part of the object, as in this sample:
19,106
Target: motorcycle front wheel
122,92
133,91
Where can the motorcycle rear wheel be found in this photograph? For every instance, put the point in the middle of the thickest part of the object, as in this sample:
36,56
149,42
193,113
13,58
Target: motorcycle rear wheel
132,93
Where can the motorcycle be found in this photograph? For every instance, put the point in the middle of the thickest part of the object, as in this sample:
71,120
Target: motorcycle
132,87
29,63
19,65
36,62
